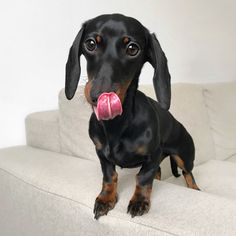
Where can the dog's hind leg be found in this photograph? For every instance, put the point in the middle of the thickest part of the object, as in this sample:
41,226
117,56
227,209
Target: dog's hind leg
174,167
186,170
190,181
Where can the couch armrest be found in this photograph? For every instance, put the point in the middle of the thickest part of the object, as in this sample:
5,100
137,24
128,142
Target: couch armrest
42,130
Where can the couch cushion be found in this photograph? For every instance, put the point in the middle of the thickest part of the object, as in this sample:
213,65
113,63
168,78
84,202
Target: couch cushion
47,176
42,130
188,107
232,159
215,176
74,122
220,100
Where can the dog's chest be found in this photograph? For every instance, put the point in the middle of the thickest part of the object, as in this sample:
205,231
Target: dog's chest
125,154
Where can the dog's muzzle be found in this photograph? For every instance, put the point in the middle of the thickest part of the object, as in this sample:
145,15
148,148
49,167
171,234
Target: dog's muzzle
108,106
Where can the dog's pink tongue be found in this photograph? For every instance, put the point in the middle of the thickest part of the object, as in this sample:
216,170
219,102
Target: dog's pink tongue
108,106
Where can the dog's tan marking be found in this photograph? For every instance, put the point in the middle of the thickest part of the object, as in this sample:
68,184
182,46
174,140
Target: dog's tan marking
190,181
98,39
141,150
140,201
109,191
126,40
97,143
87,90
158,175
179,162
187,175
142,193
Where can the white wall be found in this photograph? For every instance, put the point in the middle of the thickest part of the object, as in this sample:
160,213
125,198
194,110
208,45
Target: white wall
198,37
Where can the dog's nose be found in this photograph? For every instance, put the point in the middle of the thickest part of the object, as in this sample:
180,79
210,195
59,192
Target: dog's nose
94,99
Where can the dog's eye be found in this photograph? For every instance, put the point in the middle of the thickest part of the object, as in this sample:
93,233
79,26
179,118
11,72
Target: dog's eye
132,49
90,45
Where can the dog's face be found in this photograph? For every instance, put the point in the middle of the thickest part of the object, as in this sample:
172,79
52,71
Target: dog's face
116,47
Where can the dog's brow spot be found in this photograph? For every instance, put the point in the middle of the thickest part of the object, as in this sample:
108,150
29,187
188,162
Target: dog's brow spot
126,40
98,39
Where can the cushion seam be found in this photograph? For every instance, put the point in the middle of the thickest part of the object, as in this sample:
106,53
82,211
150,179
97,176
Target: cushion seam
204,90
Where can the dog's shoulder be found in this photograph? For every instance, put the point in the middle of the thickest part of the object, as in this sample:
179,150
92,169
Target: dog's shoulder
153,106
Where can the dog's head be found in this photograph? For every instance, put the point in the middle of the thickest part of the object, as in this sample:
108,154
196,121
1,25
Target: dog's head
116,47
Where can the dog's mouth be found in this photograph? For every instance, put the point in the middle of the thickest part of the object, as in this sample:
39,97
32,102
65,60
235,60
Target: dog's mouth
108,106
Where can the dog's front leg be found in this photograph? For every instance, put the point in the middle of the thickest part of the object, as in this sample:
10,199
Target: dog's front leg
107,198
140,202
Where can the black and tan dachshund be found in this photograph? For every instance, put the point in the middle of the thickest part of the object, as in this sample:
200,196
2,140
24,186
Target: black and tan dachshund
116,47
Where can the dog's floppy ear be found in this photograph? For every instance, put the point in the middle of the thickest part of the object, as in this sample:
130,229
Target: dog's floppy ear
73,66
161,78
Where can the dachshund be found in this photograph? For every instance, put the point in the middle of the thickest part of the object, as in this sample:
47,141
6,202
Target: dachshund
144,132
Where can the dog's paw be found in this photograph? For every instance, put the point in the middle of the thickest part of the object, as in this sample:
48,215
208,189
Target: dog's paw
101,208
138,208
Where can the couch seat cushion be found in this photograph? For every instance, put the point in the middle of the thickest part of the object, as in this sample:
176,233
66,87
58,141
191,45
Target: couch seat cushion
175,210
215,176
39,125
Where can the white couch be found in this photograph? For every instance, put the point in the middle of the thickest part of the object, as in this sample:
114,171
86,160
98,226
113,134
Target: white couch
49,186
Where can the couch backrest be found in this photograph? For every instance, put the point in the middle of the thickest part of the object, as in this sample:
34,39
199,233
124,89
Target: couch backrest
220,100
73,121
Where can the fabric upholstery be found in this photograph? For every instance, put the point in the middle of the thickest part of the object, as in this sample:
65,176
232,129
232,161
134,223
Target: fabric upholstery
45,193
74,122
42,130
220,101
232,159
